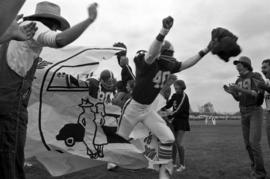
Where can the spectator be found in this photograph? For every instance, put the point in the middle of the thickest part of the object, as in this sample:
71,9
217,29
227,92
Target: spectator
266,86
249,96
180,120
18,64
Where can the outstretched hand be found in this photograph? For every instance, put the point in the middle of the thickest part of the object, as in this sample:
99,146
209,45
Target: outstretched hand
227,89
92,11
232,88
26,32
167,22
22,33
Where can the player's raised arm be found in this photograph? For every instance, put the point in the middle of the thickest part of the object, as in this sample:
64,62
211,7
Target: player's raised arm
155,47
195,59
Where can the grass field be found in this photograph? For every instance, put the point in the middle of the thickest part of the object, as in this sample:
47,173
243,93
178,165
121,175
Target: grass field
212,152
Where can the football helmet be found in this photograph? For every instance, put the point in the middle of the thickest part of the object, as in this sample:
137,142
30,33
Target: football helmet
107,80
167,49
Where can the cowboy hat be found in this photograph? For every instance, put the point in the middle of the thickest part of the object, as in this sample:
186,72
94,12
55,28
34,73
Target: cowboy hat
48,10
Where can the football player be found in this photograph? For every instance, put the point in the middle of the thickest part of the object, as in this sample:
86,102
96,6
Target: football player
126,72
104,88
152,70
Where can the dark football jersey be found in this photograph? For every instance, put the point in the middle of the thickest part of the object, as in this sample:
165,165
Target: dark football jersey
126,75
248,82
150,78
98,92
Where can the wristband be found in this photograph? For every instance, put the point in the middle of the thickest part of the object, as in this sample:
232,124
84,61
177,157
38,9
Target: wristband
202,53
160,37
163,32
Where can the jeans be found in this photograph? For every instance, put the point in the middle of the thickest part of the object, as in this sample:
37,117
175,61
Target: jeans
268,126
12,141
252,118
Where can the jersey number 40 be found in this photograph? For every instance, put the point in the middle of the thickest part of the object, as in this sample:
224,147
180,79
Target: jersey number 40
160,78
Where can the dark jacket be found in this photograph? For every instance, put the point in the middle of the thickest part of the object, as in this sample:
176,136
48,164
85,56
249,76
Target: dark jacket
14,90
248,81
225,44
183,111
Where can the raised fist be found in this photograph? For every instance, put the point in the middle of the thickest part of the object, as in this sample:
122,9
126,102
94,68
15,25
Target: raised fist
167,22
92,11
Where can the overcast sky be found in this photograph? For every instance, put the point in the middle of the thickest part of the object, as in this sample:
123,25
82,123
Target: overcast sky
137,22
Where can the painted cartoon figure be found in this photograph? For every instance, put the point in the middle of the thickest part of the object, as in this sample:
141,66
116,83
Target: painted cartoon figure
91,128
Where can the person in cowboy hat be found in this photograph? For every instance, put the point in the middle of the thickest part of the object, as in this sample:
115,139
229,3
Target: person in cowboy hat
18,63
